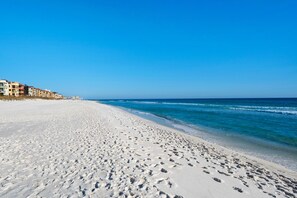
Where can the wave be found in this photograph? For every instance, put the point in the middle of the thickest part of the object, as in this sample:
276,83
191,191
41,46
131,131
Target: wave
173,103
282,112
143,102
265,107
256,108
190,104
285,111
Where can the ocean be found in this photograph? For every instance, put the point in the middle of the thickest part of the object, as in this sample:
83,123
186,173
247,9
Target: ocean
265,128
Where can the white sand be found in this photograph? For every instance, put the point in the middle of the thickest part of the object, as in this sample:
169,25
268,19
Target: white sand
82,148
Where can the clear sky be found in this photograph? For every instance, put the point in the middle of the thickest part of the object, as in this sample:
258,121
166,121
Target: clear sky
152,49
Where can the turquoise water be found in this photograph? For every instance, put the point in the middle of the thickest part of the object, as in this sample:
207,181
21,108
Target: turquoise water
265,127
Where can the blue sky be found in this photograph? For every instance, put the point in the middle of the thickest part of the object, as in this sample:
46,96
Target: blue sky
152,49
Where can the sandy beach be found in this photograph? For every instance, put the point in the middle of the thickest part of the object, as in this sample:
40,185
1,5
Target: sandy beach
69,148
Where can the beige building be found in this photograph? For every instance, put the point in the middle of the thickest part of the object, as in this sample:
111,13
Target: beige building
14,89
17,89
39,92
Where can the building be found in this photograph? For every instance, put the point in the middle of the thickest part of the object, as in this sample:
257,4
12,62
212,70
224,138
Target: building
4,88
29,91
51,95
43,93
14,89
26,90
21,90
47,93
57,95
75,98
34,92
38,93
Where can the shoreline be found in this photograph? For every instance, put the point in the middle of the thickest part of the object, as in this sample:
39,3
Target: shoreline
213,139
85,148
277,167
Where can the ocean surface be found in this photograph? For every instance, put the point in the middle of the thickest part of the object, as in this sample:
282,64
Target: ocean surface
266,128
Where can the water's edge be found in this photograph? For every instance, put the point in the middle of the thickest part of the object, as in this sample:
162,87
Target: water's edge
287,159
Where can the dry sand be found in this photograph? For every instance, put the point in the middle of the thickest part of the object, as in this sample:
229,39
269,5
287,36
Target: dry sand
82,148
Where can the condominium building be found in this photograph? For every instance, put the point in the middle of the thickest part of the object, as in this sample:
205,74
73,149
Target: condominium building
57,95
4,88
34,92
14,89
43,93
29,90
21,90
38,92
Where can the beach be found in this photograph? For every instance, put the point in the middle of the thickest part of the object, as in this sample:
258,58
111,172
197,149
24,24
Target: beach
68,148
264,128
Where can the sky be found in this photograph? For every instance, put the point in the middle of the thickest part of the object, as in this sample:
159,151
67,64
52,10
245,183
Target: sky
151,49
